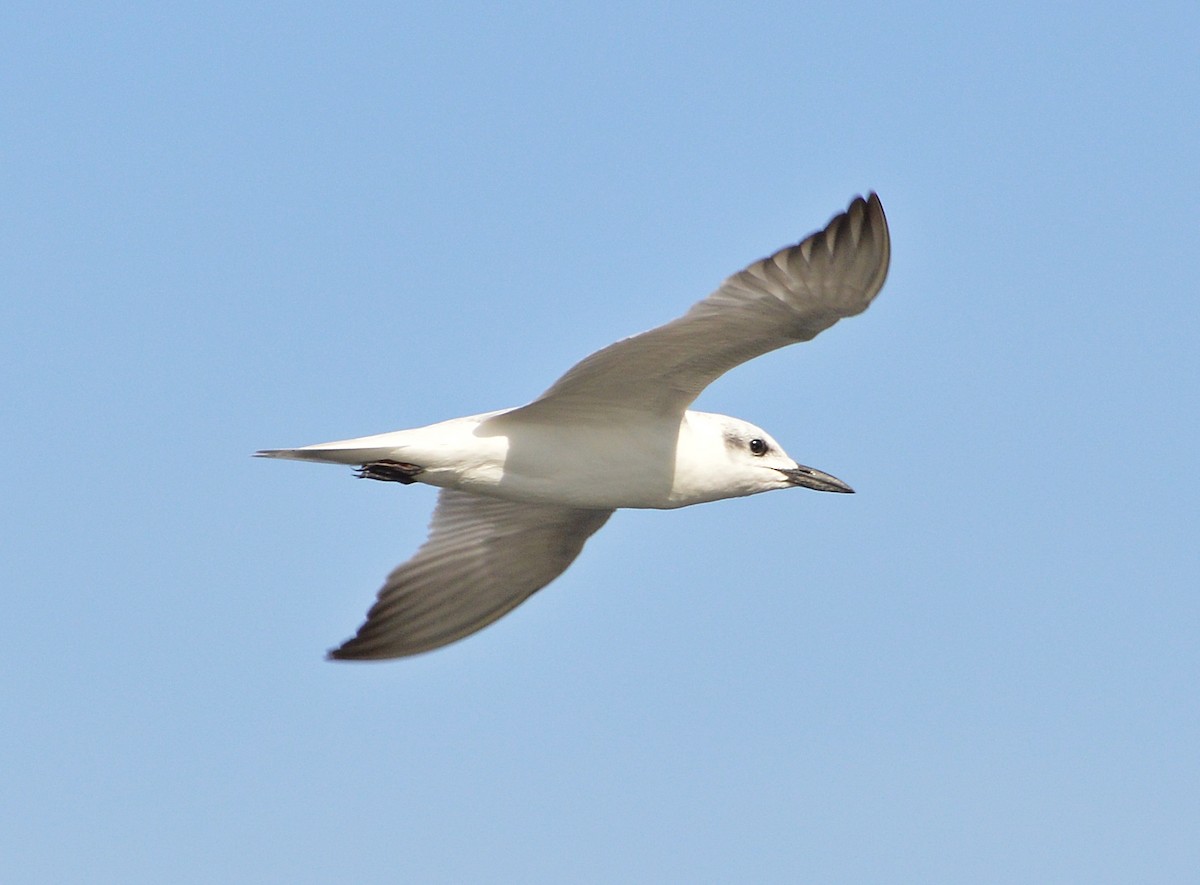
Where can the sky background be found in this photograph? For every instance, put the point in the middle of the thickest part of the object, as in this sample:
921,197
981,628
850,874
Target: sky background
227,227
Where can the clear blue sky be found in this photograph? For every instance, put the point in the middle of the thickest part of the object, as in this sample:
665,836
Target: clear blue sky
234,226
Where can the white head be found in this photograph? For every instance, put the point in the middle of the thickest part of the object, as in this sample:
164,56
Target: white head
722,457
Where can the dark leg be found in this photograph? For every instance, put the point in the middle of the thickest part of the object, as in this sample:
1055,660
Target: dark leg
390,471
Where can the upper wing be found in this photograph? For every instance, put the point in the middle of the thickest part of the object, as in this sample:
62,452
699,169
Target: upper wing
484,556
790,296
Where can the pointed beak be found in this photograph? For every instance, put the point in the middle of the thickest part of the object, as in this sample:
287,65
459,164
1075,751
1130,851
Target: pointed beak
814,479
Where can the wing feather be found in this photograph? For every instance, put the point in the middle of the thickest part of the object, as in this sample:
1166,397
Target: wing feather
483,558
787,297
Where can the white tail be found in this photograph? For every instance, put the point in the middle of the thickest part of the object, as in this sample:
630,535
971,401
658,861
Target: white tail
362,450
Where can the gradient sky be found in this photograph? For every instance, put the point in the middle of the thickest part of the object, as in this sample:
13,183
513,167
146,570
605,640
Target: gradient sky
236,226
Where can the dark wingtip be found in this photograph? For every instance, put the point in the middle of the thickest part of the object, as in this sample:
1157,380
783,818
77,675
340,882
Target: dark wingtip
346,652
876,206
877,227
351,650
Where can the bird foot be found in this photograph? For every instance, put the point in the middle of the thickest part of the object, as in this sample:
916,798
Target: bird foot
390,471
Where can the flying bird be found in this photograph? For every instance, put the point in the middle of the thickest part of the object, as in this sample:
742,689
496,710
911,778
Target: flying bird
523,489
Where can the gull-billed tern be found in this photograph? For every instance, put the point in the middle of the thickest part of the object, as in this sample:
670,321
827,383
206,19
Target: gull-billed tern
523,489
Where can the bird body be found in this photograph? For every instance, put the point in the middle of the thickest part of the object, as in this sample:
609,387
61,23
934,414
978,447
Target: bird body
524,488
653,464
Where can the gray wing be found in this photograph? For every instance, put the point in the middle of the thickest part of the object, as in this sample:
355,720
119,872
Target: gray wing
791,296
483,558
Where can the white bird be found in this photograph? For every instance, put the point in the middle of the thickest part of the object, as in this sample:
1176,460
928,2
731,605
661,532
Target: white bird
523,489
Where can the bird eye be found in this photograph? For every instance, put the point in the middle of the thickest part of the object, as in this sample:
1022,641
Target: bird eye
758,446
